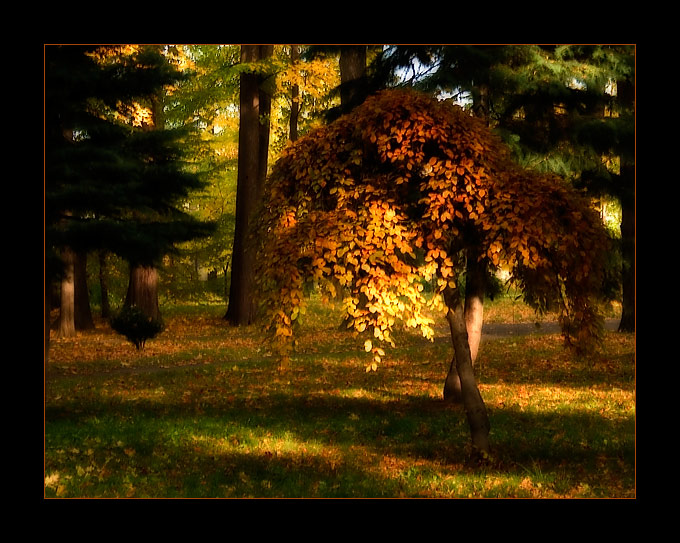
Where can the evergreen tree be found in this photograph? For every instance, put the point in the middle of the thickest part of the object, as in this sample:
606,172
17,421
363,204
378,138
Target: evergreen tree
571,110
111,182
606,130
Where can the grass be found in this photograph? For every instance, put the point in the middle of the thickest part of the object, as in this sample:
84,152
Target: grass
204,411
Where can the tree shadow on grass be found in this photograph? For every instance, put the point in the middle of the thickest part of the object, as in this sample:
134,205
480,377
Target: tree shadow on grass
286,445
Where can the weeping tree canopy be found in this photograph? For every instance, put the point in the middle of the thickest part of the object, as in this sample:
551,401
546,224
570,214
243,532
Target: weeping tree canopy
396,193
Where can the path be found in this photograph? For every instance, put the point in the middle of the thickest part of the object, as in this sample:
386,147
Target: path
498,330
507,330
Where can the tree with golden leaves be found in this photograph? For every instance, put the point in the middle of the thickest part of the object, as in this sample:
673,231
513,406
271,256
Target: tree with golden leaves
406,190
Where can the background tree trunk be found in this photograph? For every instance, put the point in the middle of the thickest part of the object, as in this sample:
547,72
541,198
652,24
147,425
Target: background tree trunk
626,96
105,306
82,313
67,325
481,106
294,98
475,409
627,323
263,120
48,310
255,104
352,74
143,290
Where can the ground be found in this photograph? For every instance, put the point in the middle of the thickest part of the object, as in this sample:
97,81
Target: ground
204,411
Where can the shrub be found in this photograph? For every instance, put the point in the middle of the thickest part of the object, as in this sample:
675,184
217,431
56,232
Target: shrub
136,326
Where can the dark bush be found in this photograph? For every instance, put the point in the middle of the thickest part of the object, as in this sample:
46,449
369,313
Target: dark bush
136,326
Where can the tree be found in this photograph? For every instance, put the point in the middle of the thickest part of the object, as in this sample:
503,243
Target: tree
70,160
255,107
294,96
206,101
83,313
607,129
573,111
67,313
352,76
142,293
563,109
304,79
103,285
406,190
111,182
357,80
136,325
465,69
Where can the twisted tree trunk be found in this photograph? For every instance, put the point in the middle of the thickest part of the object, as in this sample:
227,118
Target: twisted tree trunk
475,409
475,285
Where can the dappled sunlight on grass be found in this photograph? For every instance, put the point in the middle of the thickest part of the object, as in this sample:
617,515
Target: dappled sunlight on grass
609,402
205,411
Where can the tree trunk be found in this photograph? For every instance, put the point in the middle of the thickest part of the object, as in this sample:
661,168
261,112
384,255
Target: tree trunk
255,104
473,403
452,387
105,305
143,290
626,96
475,287
143,282
67,325
294,98
481,106
264,115
48,308
627,323
352,74
475,279
82,314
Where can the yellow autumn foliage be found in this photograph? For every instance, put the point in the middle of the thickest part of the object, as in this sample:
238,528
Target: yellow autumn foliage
389,197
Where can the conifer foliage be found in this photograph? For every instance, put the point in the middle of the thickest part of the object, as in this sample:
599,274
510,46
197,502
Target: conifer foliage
136,326
114,176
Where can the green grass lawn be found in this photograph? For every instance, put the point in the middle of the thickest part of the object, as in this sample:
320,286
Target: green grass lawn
205,412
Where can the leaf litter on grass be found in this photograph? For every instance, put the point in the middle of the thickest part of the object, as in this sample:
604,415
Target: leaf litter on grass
325,427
